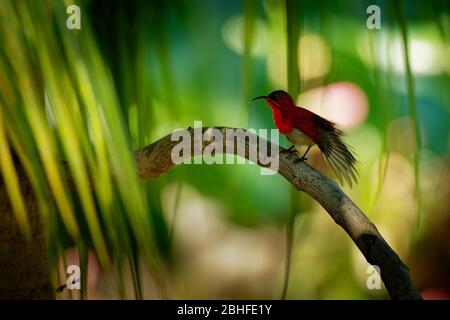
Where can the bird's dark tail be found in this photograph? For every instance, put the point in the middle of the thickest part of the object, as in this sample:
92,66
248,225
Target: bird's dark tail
335,151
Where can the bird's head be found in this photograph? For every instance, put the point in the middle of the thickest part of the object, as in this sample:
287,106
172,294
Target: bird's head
278,99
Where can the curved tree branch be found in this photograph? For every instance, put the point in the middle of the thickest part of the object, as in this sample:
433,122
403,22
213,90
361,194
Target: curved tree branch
155,159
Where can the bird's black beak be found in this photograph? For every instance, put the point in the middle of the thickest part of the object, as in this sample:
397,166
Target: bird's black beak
260,97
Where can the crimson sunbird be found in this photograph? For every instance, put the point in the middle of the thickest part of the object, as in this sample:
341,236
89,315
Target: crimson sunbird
303,127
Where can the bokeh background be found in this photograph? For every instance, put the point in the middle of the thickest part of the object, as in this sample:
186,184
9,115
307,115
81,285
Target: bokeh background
137,70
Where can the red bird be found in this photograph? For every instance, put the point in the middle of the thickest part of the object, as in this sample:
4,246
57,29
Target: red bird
303,127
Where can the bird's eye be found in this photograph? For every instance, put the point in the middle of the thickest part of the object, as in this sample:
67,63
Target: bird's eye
276,95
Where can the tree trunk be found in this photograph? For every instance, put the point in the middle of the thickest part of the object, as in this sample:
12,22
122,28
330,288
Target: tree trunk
24,267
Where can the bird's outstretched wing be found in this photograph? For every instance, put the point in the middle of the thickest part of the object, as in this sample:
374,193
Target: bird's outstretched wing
335,151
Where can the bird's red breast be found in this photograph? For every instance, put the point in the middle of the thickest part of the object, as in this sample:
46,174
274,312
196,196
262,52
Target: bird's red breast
289,116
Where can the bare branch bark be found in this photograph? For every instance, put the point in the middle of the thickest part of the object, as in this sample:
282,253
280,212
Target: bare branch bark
155,159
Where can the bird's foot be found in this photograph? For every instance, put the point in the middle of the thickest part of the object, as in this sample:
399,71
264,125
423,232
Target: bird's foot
300,159
291,150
